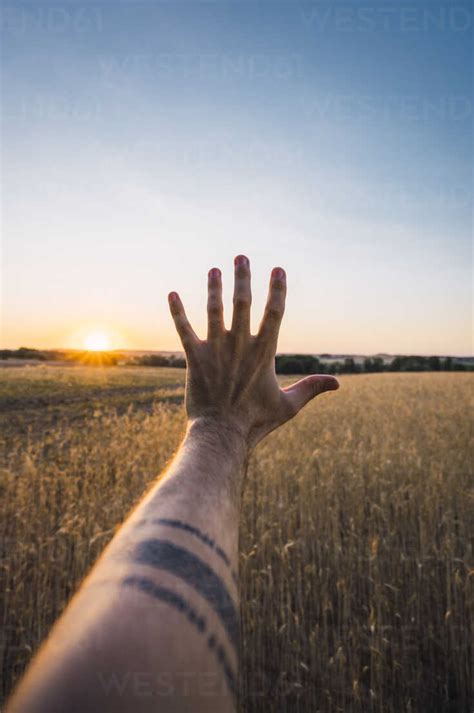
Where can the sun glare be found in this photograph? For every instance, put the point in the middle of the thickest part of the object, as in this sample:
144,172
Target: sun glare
97,342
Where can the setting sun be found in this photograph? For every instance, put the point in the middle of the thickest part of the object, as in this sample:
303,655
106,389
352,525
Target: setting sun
97,342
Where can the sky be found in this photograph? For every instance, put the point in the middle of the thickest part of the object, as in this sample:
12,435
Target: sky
145,142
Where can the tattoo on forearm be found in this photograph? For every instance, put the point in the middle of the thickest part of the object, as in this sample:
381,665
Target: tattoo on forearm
192,530
178,602
182,563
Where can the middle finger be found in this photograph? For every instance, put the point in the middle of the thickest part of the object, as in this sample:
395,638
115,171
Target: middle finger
242,297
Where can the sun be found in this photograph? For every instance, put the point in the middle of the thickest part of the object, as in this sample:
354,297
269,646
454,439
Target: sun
97,342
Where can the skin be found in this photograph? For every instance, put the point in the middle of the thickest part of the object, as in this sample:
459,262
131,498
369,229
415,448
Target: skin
154,627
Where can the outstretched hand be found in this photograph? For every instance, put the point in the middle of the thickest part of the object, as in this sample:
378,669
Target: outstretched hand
231,378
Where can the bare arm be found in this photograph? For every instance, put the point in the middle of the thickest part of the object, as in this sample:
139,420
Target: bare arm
155,626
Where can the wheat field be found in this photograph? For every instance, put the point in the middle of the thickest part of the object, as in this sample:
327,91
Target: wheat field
356,532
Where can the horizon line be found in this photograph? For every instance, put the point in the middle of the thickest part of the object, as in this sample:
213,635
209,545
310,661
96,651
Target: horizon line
278,353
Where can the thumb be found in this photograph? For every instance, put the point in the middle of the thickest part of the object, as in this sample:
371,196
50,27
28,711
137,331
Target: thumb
306,389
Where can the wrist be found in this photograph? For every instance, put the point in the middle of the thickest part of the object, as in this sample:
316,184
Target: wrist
221,436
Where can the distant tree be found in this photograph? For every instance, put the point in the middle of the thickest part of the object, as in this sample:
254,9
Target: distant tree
298,364
395,364
415,363
153,360
289,365
369,365
378,364
177,362
373,364
448,364
349,365
161,360
434,363
28,353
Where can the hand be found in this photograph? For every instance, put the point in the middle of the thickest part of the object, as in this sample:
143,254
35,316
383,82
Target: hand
231,378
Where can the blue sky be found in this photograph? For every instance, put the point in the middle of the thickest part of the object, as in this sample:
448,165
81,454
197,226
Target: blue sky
144,143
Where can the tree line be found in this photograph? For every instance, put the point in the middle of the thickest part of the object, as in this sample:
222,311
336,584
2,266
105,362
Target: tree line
284,363
306,364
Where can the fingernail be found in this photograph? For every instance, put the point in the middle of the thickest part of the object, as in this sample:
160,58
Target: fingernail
173,296
241,260
215,272
278,273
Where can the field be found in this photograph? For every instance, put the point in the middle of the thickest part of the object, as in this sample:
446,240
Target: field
355,542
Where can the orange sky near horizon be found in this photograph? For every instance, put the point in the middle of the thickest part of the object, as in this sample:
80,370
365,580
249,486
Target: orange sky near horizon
312,332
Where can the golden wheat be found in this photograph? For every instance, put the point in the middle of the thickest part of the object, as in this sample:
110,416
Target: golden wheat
355,542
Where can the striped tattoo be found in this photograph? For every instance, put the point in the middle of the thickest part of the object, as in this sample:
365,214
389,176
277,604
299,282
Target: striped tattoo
178,602
182,563
192,530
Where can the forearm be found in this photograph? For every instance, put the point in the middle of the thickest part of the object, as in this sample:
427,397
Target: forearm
168,576
163,599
